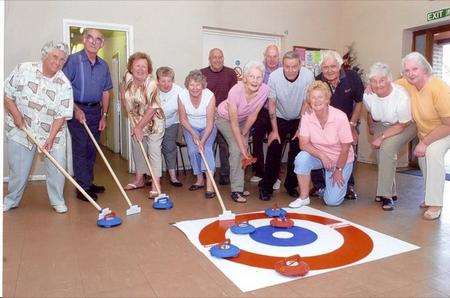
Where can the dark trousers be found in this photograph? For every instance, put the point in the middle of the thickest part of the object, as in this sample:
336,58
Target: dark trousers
273,158
224,155
83,149
318,176
260,129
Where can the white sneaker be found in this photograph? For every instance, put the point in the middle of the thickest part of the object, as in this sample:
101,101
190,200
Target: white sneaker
255,179
299,203
60,208
277,184
7,207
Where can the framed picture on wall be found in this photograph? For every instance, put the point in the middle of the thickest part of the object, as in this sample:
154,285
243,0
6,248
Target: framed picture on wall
310,57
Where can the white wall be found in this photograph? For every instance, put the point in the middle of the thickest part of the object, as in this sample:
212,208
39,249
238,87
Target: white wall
170,31
382,31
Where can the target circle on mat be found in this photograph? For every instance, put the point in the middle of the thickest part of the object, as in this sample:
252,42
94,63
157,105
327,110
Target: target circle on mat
356,244
294,236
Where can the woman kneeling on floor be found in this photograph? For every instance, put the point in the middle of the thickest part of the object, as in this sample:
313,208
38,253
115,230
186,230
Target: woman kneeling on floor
196,108
325,140
235,117
389,119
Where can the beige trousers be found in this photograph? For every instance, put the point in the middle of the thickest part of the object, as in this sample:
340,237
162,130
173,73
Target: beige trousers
152,146
433,170
387,158
236,171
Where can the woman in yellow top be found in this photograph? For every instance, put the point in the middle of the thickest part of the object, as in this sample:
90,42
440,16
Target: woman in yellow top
140,100
430,107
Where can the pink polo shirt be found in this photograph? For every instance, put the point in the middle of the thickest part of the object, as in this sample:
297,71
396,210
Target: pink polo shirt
328,139
244,108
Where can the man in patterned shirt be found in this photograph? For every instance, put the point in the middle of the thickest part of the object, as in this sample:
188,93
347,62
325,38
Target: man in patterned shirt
38,96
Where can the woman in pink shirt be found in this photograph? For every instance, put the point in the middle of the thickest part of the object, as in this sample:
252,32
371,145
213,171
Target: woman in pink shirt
325,141
235,117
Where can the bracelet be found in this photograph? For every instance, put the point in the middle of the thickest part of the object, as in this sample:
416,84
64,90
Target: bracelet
105,114
353,123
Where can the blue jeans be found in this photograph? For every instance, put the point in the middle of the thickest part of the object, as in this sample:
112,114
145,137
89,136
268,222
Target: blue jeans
334,194
20,160
194,155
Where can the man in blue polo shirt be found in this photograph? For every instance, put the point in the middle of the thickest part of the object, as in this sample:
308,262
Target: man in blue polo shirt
91,83
347,93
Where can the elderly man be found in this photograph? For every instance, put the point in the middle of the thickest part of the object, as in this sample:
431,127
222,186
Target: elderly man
38,96
262,124
91,82
430,108
288,87
220,79
347,91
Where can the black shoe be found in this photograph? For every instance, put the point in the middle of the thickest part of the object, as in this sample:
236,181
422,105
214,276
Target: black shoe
317,192
264,196
224,180
351,195
97,188
210,194
380,198
176,183
92,194
293,193
388,204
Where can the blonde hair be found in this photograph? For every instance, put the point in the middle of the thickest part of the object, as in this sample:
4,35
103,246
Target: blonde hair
320,86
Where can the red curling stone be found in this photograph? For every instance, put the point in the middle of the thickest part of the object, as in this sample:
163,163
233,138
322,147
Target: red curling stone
282,222
292,266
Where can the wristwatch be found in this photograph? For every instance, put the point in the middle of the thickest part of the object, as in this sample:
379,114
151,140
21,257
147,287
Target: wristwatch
353,123
105,114
339,169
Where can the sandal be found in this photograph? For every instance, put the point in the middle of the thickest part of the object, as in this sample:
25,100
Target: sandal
210,194
194,187
132,186
380,198
245,193
388,204
432,215
237,197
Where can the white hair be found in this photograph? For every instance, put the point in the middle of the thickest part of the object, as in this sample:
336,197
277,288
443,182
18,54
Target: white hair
251,65
380,69
329,54
52,45
420,59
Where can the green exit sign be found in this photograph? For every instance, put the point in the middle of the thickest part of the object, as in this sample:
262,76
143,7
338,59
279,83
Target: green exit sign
438,14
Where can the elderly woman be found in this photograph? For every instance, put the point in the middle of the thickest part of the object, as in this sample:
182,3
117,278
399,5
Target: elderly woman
430,108
235,117
140,100
326,139
196,108
389,120
168,94
38,96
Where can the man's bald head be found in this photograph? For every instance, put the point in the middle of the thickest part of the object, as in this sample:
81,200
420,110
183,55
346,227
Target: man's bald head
216,59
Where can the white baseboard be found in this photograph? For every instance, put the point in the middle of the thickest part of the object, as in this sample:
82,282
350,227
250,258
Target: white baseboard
31,178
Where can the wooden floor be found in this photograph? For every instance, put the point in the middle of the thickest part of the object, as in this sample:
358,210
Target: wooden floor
53,255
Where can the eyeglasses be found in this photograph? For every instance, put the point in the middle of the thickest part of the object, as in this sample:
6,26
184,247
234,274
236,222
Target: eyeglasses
94,40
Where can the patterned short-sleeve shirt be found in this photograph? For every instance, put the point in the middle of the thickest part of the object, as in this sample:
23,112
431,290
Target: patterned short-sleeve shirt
41,100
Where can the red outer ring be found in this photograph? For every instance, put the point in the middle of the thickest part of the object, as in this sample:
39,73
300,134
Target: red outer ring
357,244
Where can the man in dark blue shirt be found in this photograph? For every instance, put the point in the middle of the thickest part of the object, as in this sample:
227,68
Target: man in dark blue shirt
91,83
347,91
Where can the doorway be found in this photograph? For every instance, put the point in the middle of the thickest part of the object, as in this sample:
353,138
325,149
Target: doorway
117,49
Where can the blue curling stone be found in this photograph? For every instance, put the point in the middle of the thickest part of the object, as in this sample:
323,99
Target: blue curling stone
275,212
109,222
224,251
162,203
242,228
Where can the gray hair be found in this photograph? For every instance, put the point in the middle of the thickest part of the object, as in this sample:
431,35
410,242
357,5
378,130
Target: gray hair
380,69
196,76
329,54
291,55
420,59
52,45
252,65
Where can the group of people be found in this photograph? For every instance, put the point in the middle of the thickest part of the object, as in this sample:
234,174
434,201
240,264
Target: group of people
277,101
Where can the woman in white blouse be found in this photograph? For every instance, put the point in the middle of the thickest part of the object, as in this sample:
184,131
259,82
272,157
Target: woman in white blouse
196,108
389,120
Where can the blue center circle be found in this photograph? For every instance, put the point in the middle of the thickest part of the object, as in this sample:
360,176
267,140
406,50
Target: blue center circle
271,236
